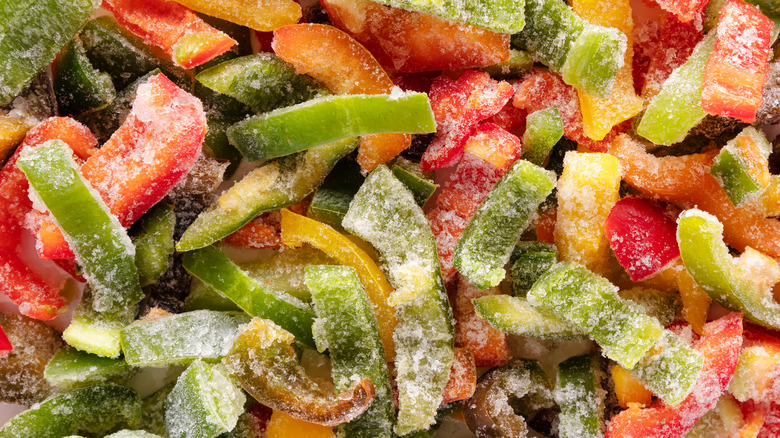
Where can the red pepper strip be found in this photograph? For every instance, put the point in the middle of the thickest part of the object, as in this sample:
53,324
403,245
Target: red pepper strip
265,230
670,50
463,377
771,427
645,37
35,298
511,119
720,346
489,345
460,197
542,89
684,10
737,69
6,347
670,179
187,39
458,107
155,147
495,145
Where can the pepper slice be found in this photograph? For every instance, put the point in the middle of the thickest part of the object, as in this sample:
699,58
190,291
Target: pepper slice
488,345
488,240
516,316
397,228
264,15
95,332
543,130
69,368
155,245
78,86
579,394
298,229
263,361
351,334
496,15
101,244
742,166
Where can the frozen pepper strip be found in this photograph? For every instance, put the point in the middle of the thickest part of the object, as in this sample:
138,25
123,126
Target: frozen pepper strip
184,36
515,316
297,230
263,15
214,268
280,85
180,338
263,361
12,132
677,108
99,241
579,394
742,166
154,244
670,369
204,403
96,409
397,228
529,260
289,130
743,284
69,368
590,303
95,332
736,71
487,344
720,347
543,130
32,34
505,16
758,366
488,240
77,84
274,185
350,332
344,66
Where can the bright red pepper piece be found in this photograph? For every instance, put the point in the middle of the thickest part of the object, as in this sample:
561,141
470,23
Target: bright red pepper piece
737,69
669,50
643,236
463,377
155,147
720,346
685,10
187,39
5,344
458,107
34,296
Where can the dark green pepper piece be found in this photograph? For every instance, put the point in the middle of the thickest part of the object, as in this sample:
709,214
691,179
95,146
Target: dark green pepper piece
154,245
580,396
70,367
79,87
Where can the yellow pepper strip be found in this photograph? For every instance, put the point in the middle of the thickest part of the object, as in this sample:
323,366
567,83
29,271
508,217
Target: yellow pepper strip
587,191
600,115
769,200
12,131
282,425
262,15
696,302
628,389
297,230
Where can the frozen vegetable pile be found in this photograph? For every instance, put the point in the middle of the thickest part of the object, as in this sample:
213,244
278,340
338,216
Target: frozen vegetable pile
361,219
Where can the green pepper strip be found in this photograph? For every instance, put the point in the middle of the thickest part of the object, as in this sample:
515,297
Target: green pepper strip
274,185
708,261
326,119
263,361
579,394
70,367
384,213
180,338
78,86
263,81
95,332
99,241
591,303
732,169
411,176
488,240
529,261
155,246
515,316
543,130
214,268
204,403
351,335
331,200
670,369
95,409
32,34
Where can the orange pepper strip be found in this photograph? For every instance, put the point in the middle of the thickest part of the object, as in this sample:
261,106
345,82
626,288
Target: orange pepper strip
696,302
408,42
343,66
282,425
12,131
488,344
628,389
262,15
263,231
671,179
463,377
297,230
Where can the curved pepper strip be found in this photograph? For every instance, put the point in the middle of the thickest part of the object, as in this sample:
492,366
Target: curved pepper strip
156,146
343,66
298,229
262,15
516,316
34,296
743,284
670,179
720,347
758,367
263,361
100,243
742,166
274,185
383,213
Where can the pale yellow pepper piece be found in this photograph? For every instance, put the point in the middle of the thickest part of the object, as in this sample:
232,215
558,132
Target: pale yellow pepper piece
769,200
628,389
587,191
282,425
262,15
600,115
12,131
297,230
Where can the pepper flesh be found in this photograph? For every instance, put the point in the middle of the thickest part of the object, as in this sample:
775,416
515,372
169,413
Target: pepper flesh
264,15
